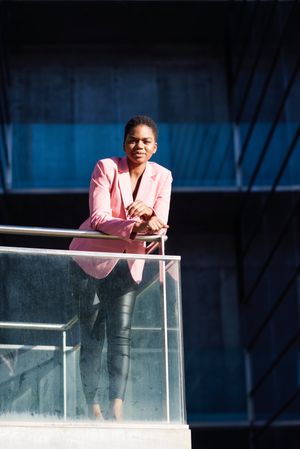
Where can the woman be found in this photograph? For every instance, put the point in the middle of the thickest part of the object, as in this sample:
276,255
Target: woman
128,196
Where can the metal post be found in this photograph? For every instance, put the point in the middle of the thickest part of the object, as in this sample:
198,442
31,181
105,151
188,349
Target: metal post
180,348
64,368
162,267
237,152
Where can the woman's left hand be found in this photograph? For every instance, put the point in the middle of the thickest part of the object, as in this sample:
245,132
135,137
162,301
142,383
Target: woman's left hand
152,226
139,209
155,225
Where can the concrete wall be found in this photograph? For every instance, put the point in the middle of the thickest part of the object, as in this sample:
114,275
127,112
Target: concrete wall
69,106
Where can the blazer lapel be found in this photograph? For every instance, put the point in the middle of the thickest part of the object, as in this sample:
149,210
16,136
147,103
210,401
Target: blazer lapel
124,182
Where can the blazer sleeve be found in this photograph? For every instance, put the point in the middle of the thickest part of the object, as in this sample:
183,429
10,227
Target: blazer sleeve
101,217
162,202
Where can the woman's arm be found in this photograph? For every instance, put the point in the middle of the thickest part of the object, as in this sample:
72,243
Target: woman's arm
156,219
162,203
100,205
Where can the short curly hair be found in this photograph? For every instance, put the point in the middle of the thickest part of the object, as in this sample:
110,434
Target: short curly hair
140,120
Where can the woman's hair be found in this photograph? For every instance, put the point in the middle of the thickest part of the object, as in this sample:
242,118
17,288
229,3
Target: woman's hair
140,120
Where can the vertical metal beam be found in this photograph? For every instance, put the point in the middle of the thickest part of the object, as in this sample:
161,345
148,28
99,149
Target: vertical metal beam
163,290
237,152
181,383
249,383
250,401
64,373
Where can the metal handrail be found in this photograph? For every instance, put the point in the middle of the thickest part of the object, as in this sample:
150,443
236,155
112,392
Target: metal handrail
39,326
58,232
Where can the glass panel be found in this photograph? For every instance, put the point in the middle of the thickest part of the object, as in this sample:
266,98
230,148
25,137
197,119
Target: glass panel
68,340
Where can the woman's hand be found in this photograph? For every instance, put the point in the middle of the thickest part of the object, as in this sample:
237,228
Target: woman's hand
152,226
139,209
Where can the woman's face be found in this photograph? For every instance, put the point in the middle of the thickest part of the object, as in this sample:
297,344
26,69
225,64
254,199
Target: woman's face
139,145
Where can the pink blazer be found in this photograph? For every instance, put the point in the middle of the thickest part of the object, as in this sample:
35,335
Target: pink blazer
109,195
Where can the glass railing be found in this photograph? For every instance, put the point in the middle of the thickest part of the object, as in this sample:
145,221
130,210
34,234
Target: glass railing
46,361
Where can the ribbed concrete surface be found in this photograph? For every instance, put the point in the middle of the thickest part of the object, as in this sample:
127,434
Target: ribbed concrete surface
93,436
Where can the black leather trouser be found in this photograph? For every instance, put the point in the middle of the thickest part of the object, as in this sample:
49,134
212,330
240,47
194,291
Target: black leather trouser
109,313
